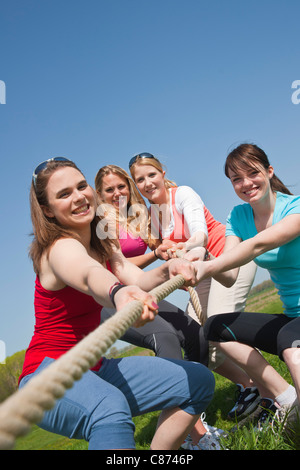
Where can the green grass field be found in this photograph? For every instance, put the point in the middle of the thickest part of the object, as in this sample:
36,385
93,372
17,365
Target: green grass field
245,438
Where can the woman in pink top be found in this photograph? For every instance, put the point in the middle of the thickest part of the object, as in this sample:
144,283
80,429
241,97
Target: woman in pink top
172,330
126,215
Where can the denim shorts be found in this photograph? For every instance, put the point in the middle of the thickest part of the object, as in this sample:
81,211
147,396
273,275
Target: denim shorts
100,406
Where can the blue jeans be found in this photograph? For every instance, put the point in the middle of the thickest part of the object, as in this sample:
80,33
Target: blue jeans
100,406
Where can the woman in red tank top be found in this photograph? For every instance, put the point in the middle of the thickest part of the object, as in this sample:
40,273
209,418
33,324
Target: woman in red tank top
77,273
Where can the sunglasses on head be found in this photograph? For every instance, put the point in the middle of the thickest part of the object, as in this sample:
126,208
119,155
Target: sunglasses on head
43,165
140,155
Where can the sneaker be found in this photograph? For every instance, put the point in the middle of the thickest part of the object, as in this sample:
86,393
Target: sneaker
266,406
247,400
207,442
291,417
211,429
269,414
188,443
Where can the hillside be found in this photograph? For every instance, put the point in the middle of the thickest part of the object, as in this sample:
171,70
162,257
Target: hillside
264,298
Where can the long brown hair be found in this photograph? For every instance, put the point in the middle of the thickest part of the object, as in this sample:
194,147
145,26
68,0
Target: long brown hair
47,230
251,156
134,198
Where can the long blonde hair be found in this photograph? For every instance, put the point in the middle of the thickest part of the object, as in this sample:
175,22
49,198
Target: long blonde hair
126,221
153,242
47,230
142,161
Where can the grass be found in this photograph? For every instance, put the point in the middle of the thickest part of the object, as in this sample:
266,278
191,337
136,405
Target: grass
38,439
245,438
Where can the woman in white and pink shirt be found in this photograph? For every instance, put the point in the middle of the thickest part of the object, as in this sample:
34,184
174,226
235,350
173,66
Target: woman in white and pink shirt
180,220
126,214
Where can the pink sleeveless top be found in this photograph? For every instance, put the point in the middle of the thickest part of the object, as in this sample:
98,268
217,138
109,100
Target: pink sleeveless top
131,246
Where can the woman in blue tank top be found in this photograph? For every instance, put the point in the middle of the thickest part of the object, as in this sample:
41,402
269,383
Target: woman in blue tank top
266,228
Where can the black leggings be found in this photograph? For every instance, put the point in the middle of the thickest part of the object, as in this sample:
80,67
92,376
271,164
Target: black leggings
171,332
270,333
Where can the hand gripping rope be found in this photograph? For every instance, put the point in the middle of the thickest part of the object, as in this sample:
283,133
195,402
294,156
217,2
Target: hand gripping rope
27,406
193,294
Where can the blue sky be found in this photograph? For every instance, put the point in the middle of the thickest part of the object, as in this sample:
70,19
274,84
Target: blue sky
98,81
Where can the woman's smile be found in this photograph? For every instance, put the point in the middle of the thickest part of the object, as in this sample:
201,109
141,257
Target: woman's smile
251,192
115,190
82,210
70,198
150,183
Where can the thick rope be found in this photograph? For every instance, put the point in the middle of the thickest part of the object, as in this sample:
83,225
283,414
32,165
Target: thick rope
195,301
27,406
196,304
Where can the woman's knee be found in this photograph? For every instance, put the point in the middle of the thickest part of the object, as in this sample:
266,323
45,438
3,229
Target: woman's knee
110,425
111,413
208,385
165,344
211,328
201,383
288,337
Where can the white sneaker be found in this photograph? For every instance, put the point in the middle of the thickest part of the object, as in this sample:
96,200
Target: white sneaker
290,415
212,429
208,442
188,443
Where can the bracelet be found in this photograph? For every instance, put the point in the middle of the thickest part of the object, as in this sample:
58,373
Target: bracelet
154,251
113,290
207,255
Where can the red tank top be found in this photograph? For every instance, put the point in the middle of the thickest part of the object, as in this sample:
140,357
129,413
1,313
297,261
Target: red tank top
62,319
216,230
